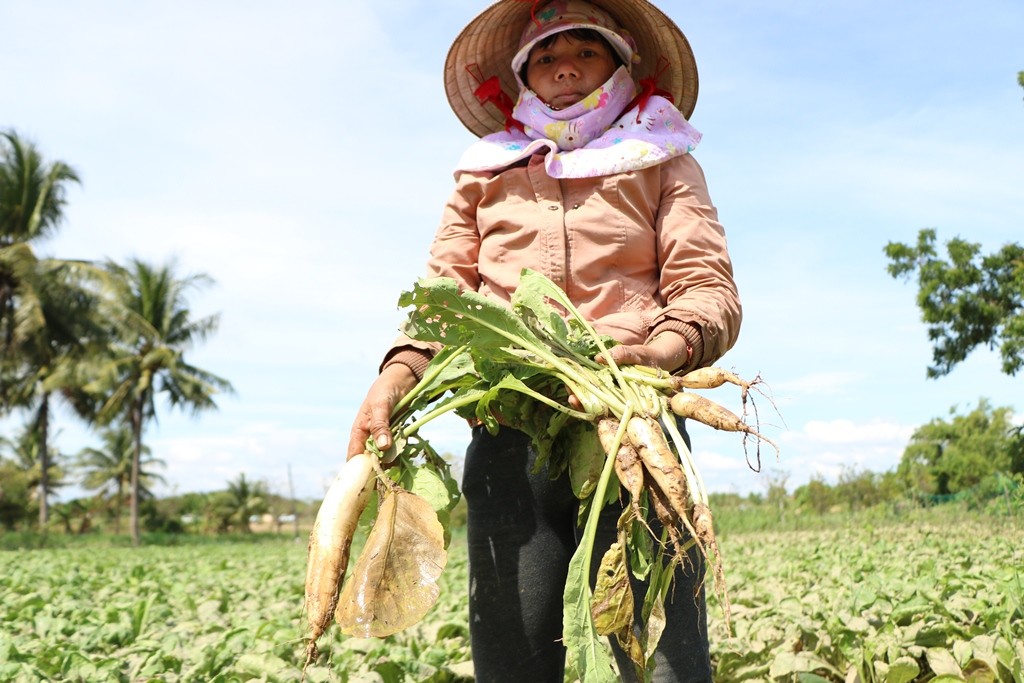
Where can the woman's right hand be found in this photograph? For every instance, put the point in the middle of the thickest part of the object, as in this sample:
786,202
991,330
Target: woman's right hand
374,415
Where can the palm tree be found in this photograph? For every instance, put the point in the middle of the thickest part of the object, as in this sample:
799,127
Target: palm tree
56,326
32,199
24,454
45,308
32,194
154,328
245,500
108,469
68,512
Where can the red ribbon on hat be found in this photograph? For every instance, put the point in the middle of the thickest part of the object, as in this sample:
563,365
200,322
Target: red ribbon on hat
489,91
649,88
533,11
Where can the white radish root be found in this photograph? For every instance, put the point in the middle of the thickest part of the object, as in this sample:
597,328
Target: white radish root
660,461
664,478
630,471
666,515
330,543
668,489
692,406
712,378
627,460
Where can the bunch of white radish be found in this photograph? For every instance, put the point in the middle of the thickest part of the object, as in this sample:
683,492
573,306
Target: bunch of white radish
517,366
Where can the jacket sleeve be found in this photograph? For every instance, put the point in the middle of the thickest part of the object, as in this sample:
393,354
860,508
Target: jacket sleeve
453,253
696,281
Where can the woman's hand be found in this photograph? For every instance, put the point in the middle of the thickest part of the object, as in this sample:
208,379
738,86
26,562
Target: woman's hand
374,415
667,350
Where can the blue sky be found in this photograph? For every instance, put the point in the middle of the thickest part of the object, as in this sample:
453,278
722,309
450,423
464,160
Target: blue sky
299,154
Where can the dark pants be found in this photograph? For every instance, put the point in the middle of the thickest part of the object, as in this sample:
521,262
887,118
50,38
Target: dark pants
522,533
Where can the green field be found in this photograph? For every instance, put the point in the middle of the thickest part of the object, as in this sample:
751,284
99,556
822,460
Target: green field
920,600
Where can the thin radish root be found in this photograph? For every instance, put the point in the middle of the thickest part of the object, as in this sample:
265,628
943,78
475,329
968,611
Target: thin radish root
667,516
703,525
712,378
677,507
330,543
690,405
630,470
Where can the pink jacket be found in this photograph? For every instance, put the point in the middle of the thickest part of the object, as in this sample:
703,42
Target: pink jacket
638,253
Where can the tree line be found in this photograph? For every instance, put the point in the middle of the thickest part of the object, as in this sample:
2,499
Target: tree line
104,338
106,470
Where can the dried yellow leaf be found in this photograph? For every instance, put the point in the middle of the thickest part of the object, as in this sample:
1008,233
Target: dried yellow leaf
394,581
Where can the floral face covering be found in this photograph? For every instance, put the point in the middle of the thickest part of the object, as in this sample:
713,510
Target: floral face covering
647,134
583,122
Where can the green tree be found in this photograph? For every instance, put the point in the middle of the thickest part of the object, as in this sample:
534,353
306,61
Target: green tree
967,299
80,510
46,314
57,329
946,457
776,496
23,454
244,500
154,329
816,495
32,193
218,512
16,493
108,469
860,489
32,200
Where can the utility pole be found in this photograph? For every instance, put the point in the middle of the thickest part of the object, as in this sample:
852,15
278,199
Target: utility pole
291,495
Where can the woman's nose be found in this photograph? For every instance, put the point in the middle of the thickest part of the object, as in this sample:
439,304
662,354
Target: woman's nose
566,69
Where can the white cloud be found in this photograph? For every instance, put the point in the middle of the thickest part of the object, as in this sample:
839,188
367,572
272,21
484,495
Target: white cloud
827,448
847,432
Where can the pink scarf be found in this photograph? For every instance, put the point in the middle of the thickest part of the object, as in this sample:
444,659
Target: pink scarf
578,125
592,138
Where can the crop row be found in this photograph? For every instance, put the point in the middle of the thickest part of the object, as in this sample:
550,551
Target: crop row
893,605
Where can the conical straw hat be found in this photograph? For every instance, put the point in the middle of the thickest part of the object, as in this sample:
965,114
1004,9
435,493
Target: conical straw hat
486,46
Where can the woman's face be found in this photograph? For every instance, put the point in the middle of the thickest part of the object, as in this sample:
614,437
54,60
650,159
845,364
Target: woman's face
568,69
